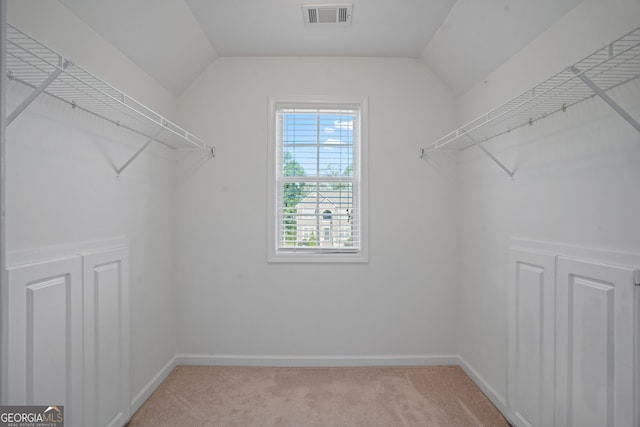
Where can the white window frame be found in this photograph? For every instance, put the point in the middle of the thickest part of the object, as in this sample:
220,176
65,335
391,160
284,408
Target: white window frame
274,254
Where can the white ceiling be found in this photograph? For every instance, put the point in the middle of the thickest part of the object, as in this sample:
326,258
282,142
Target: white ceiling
462,41
276,28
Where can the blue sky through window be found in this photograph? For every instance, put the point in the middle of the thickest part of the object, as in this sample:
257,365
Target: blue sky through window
320,141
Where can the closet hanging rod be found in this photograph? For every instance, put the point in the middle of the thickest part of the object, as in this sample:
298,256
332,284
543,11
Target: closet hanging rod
35,65
627,67
613,65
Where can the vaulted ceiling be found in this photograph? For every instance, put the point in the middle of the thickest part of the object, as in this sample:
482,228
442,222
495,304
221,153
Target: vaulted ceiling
462,41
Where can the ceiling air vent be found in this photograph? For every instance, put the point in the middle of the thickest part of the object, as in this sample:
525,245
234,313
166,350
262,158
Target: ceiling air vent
327,14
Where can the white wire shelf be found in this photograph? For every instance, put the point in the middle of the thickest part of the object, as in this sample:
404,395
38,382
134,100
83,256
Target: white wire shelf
32,63
609,67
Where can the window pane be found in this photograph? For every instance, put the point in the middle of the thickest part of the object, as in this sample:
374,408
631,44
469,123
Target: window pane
317,143
317,215
299,128
336,160
336,127
317,172
299,161
321,160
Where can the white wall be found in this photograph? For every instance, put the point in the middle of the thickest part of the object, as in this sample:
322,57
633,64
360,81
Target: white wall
576,180
62,191
233,302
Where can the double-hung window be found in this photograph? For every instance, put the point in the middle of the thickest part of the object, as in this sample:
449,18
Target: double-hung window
317,179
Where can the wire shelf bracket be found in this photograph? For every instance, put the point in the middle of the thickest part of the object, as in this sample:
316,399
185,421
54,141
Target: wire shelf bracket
137,153
612,66
35,65
29,99
606,98
492,157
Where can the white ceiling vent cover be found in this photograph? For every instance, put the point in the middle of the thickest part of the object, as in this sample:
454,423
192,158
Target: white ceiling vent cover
327,14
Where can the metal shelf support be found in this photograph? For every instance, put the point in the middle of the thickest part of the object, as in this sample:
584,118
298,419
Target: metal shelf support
606,98
137,153
63,64
492,157
424,155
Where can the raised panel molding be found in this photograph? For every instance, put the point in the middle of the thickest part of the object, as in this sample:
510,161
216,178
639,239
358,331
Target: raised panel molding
43,349
596,333
66,337
573,329
531,338
106,339
47,338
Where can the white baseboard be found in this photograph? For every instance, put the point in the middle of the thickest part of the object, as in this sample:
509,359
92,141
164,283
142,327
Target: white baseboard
152,385
316,361
496,398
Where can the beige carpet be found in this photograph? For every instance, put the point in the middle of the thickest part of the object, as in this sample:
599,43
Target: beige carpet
239,396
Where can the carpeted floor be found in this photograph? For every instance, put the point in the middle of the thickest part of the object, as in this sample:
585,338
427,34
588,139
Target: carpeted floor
388,396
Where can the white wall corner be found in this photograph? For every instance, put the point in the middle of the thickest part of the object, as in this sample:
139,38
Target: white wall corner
152,385
496,398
